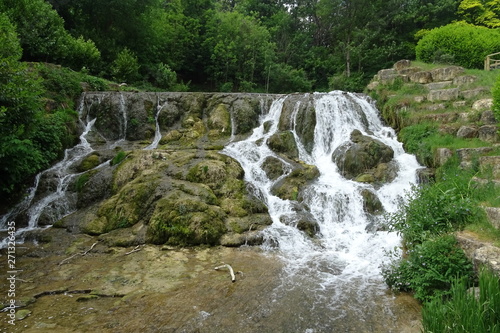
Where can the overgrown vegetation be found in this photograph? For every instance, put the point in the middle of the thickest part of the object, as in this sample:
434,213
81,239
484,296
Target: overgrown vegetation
466,310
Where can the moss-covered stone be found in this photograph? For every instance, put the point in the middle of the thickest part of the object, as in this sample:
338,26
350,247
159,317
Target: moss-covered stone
361,155
181,219
289,188
89,162
273,167
284,142
371,203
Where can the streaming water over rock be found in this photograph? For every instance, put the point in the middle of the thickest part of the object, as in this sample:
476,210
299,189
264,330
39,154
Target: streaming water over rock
337,273
331,244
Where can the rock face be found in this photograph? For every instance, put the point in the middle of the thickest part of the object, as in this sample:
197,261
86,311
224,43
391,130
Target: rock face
184,192
364,159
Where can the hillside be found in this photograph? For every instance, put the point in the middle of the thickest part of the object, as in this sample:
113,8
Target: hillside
444,116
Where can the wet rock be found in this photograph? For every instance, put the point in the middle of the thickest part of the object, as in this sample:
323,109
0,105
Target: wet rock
284,142
273,167
289,188
371,203
361,154
304,119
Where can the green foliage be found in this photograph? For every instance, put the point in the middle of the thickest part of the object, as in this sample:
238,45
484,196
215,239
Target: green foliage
119,157
466,311
429,268
9,39
496,98
467,44
164,76
126,66
43,36
480,12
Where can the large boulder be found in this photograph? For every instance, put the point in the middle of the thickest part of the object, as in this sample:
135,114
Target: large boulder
361,155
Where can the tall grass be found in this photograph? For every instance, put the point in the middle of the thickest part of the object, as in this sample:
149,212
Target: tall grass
465,311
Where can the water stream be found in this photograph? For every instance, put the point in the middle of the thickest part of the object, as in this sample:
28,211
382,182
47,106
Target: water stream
337,275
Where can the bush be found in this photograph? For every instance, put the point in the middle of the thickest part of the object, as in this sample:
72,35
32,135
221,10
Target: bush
429,268
9,39
466,44
126,66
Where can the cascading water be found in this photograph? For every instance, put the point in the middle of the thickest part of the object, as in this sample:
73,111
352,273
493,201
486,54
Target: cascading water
336,275
157,137
56,202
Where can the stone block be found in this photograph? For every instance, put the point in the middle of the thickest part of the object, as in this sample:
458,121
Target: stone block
421,77
409,70
459,104
464,79
402,64
446,73
488,118
488,133
483,104
493,214
443,94
468,94
467,132
438,85
490,164
442,155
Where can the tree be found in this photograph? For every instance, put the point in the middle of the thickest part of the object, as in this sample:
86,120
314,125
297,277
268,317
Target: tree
480,12
240,50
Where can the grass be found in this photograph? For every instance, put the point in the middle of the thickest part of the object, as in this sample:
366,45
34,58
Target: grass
466,311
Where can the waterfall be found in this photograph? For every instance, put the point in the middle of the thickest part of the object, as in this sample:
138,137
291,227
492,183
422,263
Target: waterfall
122,109
56,202
345,258
157,137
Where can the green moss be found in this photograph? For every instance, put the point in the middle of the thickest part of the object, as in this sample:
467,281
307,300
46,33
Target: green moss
119,157
89,162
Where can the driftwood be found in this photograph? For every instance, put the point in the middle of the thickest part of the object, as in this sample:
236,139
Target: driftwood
136,249
76,254
68,292
231,271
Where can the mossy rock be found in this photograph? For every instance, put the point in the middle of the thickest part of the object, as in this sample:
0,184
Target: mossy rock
181,219
89,162
371,203
219,119
289,188
273,167
360,155
284,142
127,207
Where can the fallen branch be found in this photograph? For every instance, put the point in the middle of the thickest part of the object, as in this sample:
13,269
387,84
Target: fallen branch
231,272
81,253
136,249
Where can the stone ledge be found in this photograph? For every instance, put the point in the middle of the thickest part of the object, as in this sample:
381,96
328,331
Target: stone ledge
481,253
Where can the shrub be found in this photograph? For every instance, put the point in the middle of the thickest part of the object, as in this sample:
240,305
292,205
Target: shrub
429,268
126,66
466,44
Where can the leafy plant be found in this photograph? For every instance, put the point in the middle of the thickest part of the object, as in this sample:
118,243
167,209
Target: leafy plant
119,157
429,268
466,311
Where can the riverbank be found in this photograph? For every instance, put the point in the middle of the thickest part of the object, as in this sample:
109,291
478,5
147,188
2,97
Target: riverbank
72,283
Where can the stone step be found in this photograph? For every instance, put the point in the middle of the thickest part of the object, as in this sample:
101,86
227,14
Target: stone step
493,214
481,253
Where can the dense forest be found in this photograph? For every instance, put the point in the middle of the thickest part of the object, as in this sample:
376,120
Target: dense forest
274,46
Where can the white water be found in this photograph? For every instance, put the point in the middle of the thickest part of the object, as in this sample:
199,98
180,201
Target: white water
344,262
157,137
58,202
